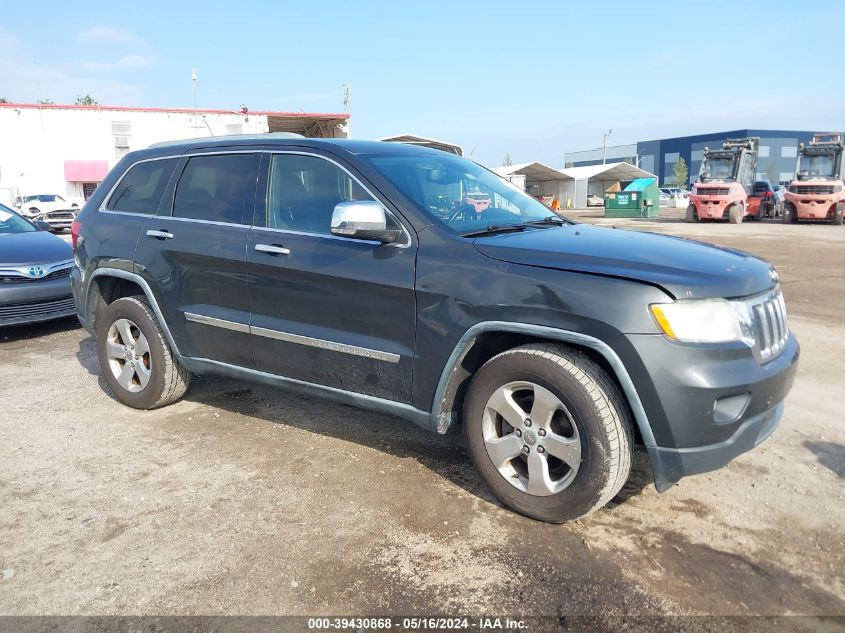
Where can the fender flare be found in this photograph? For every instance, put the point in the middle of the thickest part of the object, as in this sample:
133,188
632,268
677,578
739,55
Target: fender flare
442,420
135,278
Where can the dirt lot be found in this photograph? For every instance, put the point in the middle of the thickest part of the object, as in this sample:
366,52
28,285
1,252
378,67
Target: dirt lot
241,499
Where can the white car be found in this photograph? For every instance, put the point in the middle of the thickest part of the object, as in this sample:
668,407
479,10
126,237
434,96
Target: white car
594,201
51,208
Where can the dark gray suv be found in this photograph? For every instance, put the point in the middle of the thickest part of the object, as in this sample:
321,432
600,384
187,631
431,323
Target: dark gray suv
420,284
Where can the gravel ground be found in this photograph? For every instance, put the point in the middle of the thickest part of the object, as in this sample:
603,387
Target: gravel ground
243,500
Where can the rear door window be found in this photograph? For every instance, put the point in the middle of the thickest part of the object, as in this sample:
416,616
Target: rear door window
141,189
217,188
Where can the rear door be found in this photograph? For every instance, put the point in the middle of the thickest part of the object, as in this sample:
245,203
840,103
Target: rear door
124,213
193,254
329,310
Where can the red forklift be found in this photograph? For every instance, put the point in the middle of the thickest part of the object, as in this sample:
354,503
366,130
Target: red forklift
725,182
818,190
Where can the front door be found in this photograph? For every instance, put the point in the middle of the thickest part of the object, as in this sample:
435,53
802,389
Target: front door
328,310
194,255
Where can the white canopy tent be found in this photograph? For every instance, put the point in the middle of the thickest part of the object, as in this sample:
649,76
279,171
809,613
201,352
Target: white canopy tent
595,179
539,180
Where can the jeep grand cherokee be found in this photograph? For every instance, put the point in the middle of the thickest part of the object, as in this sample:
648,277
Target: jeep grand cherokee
359,271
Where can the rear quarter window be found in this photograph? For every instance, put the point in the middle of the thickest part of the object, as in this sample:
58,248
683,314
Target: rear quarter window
142,187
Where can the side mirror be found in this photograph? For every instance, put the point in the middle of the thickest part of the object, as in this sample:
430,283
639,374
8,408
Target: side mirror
42,226
363,220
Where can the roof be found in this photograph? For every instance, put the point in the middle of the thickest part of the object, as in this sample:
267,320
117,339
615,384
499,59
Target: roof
608,171
534,171
411,139
252,140
64,106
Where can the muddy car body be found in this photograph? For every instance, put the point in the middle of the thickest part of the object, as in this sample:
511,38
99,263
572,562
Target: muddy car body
319,266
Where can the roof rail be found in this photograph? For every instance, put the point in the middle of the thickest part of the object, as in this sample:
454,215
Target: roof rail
230,137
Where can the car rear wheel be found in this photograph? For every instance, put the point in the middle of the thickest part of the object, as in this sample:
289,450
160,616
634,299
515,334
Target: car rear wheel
134,356
548,431
692,214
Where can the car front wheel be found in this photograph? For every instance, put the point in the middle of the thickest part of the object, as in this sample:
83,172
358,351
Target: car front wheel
548,431
134,356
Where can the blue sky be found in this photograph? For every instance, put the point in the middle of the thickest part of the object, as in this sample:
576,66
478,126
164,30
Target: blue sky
534,79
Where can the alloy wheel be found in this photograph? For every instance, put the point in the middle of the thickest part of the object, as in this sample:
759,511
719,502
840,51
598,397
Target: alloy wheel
128,354
531,438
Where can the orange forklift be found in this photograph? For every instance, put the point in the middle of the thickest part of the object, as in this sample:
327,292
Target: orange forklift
725,182
818,190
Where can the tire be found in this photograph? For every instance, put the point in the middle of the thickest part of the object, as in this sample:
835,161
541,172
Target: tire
837,216
692,215
789,215
590,428
735,214
128,326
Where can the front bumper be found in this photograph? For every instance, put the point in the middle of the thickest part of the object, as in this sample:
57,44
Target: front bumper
711,208
35,301
707,404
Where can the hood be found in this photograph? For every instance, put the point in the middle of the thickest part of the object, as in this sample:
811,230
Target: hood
37,247
683,268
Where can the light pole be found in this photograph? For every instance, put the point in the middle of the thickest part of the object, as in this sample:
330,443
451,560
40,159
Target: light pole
604,146
196,109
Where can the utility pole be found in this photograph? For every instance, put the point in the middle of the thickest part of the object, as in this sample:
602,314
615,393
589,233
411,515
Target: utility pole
604,146
196,109
347,89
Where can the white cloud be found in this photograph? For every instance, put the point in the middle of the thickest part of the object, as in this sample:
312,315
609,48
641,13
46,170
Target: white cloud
104,34
134,61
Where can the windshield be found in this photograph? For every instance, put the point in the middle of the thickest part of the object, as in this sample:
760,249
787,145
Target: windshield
44,198
718,169
11,222
816,166
460,195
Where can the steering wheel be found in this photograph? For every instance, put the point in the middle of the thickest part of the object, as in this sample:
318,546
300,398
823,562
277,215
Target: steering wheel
462,212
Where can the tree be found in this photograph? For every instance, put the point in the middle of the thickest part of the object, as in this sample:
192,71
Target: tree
506,161
773,172
45,101
681,173
4,100
86,100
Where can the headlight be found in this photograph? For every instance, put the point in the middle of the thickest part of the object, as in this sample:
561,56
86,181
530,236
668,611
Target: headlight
704,321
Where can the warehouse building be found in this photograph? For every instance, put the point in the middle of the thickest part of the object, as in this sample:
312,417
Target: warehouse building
776,159
68,149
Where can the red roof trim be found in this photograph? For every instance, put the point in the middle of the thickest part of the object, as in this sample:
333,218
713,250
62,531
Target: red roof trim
59,106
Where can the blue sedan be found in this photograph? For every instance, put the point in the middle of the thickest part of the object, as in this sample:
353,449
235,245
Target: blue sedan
34,272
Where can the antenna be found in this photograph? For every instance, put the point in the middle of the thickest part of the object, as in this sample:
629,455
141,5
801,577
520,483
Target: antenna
346,90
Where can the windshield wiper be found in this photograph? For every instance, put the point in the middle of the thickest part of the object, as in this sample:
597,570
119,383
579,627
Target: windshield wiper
495,228
549,219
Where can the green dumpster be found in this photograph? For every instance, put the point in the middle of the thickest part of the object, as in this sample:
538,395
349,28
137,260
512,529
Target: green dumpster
639,198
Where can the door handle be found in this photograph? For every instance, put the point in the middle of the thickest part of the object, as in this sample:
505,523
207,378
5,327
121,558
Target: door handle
160,235
272,249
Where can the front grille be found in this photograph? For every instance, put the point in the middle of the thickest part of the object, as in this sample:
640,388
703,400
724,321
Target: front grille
770,326
711,191
35,308
16,279
812,190
58,215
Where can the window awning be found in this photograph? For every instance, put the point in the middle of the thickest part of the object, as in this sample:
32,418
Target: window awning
86,170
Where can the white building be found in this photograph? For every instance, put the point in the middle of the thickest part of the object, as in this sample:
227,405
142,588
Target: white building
68,149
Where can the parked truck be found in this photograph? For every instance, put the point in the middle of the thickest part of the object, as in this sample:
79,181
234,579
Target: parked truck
818,190
725,181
